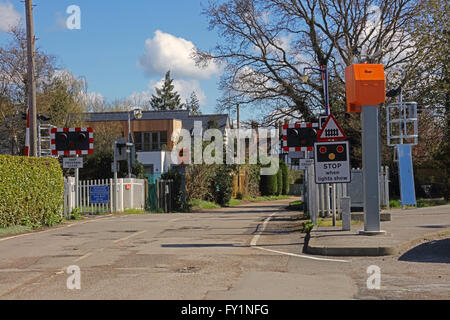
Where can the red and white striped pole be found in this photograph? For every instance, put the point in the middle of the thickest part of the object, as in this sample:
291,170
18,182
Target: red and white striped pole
27,135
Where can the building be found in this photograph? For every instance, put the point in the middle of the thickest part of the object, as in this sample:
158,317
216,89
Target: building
152,133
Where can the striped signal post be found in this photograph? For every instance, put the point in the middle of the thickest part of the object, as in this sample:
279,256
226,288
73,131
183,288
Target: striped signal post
27,135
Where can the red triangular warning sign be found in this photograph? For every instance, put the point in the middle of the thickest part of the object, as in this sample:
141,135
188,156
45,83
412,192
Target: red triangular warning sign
331,131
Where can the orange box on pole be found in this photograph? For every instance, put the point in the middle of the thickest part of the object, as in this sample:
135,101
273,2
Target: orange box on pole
365,85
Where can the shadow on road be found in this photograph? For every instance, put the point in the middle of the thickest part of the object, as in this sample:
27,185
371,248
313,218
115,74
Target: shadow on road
437,251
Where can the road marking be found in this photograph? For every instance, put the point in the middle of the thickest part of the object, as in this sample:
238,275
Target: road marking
84,257
130,236
255,239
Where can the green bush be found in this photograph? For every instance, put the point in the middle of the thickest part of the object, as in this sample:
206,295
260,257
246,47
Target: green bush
279,181
98,166
223,184
179,203
285,172
31,191
269,185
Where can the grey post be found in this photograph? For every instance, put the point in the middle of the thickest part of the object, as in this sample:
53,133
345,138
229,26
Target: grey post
77,190
371,168
346,215
116,191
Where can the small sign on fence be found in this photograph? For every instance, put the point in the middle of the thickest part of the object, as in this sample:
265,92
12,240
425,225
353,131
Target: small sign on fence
99,194
73,163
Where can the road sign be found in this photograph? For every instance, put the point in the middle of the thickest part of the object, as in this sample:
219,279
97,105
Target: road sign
305,163
120,149
116,169
72,141
299,136
99,194
332,163
331,131
73,163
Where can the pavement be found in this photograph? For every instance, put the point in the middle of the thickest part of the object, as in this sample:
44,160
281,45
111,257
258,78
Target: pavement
406,229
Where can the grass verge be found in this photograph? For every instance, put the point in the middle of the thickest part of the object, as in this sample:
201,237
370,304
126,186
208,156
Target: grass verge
10,231
421,203
196,204
328,222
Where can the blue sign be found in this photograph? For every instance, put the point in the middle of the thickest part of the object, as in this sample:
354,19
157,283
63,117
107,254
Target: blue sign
406,175
99,194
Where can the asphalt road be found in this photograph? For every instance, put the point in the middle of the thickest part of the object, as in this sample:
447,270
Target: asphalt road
250,252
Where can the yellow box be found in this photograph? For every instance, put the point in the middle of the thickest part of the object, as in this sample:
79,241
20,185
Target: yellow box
365,85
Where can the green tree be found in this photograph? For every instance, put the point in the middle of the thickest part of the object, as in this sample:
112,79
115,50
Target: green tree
285,171
98,166
193,105
279,181
166,97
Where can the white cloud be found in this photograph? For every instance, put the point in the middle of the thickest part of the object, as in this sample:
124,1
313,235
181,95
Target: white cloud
166,52
183,87
8,17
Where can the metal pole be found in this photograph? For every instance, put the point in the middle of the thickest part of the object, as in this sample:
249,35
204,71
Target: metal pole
31,78
370,151
77,190
325,86
129,140
116,190
334,205
346,213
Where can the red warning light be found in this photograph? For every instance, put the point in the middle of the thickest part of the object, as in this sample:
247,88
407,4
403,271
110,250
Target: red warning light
340,149
323,150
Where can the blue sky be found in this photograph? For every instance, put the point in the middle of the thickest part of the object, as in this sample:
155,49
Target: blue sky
125,47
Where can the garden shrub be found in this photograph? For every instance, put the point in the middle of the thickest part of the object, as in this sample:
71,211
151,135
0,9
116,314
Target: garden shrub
31,191
279,181
269,185
223,184
285,171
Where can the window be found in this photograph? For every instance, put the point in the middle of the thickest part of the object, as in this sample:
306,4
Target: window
163,140
155,141
150,141
138,140
146,144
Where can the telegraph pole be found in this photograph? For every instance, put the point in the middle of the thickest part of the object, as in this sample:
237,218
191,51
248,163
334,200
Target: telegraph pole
31,79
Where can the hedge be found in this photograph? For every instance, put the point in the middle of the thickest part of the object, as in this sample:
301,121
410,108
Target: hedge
285,171
31,191
269,185
279,181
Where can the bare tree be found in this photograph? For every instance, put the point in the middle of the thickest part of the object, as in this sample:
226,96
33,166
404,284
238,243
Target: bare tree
58,92
266,45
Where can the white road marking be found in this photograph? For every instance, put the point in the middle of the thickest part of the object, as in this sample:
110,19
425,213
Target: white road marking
130,236
255,239
84,257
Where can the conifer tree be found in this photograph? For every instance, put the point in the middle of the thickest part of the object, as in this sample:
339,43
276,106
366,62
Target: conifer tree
166,97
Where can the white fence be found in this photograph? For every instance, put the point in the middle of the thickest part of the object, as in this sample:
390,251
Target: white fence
323,200
115,197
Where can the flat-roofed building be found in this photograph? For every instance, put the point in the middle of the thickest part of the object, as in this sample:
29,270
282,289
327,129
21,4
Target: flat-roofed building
152,133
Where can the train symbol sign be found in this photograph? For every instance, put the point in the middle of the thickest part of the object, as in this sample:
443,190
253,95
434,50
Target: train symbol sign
332,163
331,131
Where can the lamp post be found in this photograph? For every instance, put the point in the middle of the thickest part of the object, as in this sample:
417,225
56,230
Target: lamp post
324,71
137,112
